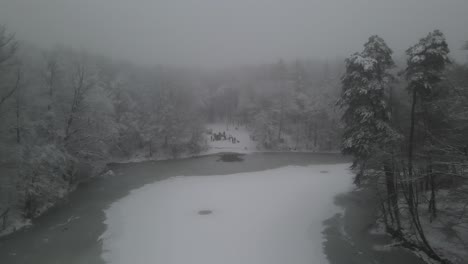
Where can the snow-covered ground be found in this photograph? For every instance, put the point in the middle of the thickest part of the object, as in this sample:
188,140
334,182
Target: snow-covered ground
266,217
448,233
15,220
245,144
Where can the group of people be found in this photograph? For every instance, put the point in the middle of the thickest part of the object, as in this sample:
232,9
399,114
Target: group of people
222,136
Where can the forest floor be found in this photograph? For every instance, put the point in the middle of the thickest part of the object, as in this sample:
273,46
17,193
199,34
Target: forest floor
448,232
13,218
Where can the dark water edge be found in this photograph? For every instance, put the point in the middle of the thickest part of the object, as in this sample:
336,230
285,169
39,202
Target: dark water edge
349,234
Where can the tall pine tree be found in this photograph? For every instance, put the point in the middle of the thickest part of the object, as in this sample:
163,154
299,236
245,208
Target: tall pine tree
425,69
364,100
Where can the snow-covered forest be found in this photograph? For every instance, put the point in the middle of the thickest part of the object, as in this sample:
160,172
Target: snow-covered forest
67,113
286,106
398,111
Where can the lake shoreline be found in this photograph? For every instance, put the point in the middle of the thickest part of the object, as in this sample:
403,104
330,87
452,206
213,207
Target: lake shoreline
81,215
21,224
354,233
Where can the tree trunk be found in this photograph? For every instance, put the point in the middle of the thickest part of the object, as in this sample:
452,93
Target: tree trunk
315,135
280,126
358,178
392,195
71,116
69,124
17,87
410,153
51,93
432,201
412,192
420,231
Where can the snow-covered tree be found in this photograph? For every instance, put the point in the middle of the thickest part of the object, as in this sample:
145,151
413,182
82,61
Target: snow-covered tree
364,101
264,131
426,63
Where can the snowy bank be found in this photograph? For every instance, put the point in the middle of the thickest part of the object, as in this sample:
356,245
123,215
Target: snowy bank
243,143
266,217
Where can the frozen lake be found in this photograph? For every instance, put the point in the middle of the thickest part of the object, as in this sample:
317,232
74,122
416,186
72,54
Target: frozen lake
267,217
256,208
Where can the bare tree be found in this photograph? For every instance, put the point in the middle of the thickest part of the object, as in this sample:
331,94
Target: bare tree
18,106
8,48
81,84
51,75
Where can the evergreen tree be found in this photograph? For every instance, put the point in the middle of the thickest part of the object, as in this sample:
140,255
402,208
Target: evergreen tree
363,98
425,69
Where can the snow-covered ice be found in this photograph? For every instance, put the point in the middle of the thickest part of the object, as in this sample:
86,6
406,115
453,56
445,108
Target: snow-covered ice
267,217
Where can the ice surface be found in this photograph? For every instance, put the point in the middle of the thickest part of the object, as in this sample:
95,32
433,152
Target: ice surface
265,217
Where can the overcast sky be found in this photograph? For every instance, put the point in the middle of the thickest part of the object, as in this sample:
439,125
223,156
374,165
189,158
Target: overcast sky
218,33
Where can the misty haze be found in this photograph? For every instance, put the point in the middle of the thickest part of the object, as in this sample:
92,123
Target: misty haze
233,131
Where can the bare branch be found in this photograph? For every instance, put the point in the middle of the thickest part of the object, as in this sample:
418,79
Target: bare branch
8,45
7,95
13,90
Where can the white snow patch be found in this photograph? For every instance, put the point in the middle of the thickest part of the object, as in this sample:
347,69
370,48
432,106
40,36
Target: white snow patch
266,217
245,145
386,247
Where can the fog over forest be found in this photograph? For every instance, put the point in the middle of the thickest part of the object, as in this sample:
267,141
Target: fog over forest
219,33
233,131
